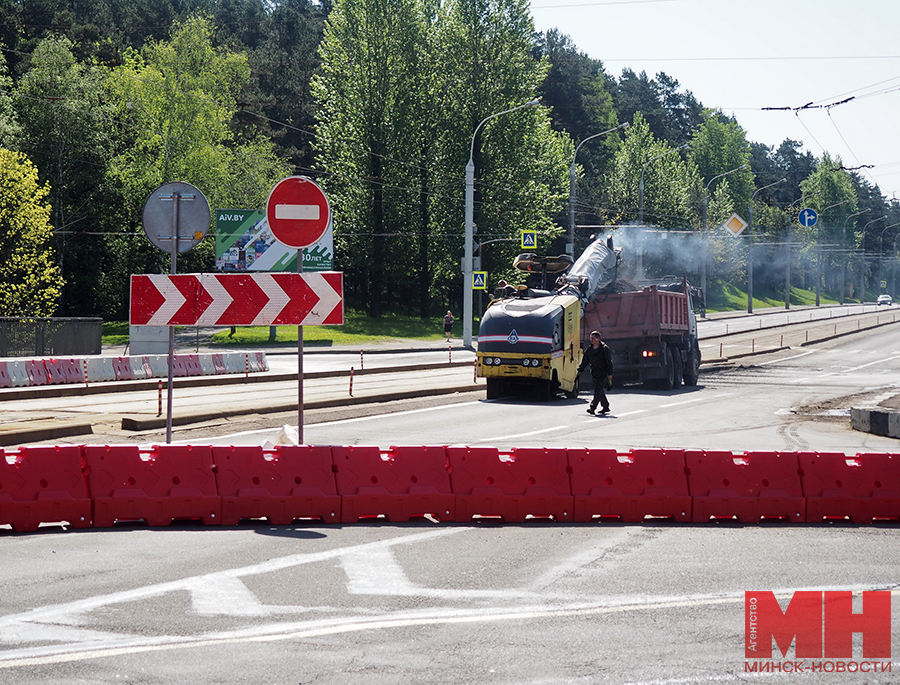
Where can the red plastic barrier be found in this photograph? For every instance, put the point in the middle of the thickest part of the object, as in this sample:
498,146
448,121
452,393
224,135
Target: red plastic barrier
399,483
160,485
750,487
862,487
192,365
122,367
5,380
512,485
43,484
644,482
219,364
287,483
37,374
55,372
179,366
72,370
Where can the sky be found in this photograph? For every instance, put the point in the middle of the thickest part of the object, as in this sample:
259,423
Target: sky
742,56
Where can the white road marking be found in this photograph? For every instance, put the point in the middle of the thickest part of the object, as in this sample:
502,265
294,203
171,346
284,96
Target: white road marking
523,435
702,398
786,359
629,413
335,626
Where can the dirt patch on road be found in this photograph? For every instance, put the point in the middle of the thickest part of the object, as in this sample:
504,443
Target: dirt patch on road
838,408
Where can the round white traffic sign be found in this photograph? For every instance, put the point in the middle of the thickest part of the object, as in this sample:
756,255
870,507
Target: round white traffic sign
298,212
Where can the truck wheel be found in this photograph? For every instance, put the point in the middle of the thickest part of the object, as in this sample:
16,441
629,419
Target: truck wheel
493,388
692,367
679,367
668,381
573,393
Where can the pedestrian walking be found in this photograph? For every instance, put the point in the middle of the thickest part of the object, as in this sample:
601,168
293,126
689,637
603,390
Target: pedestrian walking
448,324
598,356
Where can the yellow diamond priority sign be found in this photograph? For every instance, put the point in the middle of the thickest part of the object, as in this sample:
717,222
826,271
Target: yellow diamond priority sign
735,225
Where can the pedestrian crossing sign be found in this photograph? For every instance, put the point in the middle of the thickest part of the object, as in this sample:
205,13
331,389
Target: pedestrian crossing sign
479,280
529,240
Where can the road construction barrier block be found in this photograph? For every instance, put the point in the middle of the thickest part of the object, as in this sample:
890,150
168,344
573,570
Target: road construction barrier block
192,365
122,369
100,369
862,488
18,374
236,362
262,363
159,365
287,483
43,484
56,374
400,483
629,487
219,363
5,380
140,367
529,481
159,485
72,370
179,366
750,486
207,366
37,372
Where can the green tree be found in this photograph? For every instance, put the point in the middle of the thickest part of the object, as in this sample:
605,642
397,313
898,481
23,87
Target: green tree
577,92
370,115
29,279
719,147
485,51
177,100
65,132
670,183
9,123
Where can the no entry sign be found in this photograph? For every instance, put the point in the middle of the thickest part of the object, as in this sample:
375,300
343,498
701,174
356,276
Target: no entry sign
298,212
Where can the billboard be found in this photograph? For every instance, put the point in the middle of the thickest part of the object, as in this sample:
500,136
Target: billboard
244,242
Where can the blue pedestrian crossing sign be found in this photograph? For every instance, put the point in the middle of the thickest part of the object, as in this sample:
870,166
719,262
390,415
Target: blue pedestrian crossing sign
479,280
529,240
808,218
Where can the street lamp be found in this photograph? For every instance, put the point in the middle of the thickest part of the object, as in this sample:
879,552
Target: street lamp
641,184
750,248
703,232
570,246
844,252
862,259
470,226
819,244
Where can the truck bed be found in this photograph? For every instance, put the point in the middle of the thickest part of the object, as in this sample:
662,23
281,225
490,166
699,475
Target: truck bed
648,312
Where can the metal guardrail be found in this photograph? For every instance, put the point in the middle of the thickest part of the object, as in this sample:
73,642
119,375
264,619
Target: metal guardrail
43,337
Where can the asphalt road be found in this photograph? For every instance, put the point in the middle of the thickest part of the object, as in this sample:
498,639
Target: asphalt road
650,604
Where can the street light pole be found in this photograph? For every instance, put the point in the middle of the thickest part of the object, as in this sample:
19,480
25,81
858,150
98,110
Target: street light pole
703,232
862,259
750,247
641,184
819,244
570,246
470,226
844,253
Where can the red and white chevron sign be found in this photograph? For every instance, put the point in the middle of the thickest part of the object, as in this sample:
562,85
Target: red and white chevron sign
260,299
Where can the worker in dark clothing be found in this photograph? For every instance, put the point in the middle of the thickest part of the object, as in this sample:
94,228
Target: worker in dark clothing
598,355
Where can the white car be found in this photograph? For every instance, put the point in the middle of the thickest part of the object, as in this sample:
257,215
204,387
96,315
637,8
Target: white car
884,299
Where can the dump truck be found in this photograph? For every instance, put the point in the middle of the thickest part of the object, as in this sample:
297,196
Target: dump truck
532,339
